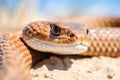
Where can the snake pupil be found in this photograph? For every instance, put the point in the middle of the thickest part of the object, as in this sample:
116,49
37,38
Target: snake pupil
55,30
87,31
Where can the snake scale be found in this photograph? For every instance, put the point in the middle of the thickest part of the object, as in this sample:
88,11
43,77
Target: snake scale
19,52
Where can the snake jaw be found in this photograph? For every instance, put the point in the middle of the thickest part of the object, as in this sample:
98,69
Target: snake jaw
61,49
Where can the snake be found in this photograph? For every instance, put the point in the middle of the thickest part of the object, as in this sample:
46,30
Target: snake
18,52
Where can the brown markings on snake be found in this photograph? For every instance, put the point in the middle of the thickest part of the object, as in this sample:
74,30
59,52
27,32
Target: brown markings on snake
46,31
15,58
104,42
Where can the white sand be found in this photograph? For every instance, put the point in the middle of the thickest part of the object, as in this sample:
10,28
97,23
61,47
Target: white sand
68,68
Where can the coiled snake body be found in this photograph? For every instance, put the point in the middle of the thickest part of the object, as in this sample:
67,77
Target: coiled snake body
58,38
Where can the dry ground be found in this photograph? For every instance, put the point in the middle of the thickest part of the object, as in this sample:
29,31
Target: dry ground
77,68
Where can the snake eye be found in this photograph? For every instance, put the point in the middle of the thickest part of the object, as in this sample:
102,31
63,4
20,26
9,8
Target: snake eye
55,30
87,31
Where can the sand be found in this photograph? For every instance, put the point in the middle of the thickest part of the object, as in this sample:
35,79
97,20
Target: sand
77,68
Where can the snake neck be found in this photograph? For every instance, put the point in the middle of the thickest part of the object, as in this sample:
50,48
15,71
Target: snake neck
104,42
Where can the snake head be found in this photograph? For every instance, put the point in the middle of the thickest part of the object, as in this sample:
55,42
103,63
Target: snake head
56,37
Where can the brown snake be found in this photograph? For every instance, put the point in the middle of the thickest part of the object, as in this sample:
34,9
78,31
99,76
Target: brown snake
16,58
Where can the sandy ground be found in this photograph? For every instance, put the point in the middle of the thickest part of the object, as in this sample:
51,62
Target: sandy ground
77,68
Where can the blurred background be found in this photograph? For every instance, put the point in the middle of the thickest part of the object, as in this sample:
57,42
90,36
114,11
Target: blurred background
14,14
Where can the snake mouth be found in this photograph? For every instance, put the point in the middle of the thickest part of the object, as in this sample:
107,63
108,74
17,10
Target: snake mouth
63,49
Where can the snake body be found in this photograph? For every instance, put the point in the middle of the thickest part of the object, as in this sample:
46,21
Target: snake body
16,57
104,42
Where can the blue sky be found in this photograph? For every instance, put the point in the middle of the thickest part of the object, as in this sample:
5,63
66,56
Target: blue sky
76,7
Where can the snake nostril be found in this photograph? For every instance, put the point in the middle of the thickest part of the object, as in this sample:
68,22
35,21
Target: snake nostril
71,35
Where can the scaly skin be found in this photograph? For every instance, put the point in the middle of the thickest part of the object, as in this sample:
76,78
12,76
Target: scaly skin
104,42
16,58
